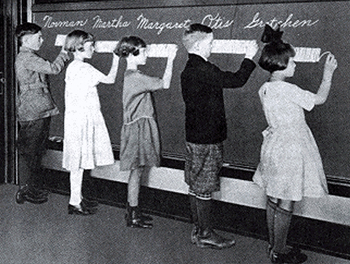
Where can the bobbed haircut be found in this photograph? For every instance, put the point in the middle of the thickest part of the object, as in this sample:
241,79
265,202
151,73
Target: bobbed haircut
194,33
275,56
76,39
26,29
129,45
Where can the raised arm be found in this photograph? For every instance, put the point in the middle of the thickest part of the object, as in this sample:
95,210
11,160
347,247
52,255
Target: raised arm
110,78
323,91
38,64
169,68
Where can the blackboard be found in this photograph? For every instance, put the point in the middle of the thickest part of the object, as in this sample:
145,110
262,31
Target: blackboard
313,28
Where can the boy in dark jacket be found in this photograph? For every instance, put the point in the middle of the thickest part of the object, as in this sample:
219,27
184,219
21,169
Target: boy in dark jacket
34,109
202,89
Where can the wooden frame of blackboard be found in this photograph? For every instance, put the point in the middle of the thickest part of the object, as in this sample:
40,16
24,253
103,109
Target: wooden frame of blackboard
65,5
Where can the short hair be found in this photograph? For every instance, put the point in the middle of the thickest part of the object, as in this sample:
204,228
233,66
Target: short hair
275,56
194,33
129,45
26,29
76,39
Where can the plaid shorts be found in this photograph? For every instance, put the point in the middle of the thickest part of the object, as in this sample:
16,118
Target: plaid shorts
202,166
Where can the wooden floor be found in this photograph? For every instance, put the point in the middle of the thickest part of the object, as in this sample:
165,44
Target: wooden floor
44,234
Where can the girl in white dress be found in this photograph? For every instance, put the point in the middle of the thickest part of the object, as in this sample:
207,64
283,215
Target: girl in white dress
290,163
86,140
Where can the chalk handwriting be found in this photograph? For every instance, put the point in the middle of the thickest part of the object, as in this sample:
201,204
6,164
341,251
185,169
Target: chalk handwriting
216,22
49,23
114,23
145,23
258,22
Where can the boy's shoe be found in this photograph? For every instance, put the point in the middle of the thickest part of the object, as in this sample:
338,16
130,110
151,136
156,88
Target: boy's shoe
36,192
292,257
210,239
24,194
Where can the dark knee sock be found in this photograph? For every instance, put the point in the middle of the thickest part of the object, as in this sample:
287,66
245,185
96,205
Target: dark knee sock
193,207
204,214
270,219
281,228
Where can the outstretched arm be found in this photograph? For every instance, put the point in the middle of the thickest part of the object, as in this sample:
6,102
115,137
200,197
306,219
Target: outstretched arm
323,91
38,64
169,68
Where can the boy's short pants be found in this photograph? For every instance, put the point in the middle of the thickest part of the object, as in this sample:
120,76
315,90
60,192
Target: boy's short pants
202,166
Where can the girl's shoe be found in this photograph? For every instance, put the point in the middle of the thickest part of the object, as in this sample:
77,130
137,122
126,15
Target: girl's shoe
81,210
133,218
89,203
144,217
292,257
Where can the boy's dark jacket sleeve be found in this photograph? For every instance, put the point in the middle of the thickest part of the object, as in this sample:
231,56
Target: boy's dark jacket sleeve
212,75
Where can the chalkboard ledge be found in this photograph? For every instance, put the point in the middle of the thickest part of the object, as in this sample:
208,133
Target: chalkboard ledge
337,185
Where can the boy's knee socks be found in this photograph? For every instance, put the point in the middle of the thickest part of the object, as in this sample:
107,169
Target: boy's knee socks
282,222
204,214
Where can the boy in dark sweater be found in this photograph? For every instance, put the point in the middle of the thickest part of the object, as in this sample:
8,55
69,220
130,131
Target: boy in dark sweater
202,90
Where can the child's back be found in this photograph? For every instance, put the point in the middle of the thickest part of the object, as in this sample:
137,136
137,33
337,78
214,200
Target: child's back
34,100
81,91
137,100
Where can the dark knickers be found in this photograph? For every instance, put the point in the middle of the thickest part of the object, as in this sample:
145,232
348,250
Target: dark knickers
202,166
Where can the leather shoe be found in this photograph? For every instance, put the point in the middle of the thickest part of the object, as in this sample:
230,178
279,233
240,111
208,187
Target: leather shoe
144,217
209,239
89,203
19,197
133,218
34,192
43,192
81,210
23,195
292,257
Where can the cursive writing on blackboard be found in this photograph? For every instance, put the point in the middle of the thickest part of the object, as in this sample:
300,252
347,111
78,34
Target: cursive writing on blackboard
145,23
114,23
258,22
48,23
216,22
